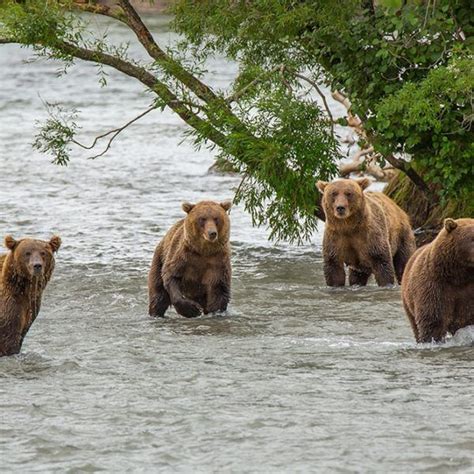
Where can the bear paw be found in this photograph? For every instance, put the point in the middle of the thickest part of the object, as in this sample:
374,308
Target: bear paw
187,308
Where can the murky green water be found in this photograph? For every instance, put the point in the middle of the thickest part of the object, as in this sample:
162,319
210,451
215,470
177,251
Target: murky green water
297,377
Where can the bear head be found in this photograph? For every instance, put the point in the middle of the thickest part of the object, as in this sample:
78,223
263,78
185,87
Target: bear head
457,239
343,197
207,222
33,258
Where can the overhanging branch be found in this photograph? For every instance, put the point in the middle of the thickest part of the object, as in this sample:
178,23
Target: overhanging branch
115,132
114,12
145,77
171,66
320,93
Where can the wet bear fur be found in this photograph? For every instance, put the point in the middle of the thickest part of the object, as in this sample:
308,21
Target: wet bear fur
191,267
366,231
25,272
438,285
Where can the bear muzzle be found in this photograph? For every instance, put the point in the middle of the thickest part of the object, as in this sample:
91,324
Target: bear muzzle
340,211
36,266
210,231
211,235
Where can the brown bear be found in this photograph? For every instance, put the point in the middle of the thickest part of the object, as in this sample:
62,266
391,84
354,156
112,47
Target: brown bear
191,267
438,285
366,231
25,272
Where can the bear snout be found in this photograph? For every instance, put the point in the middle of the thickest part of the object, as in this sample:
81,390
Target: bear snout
212,234
341,210
36,265
37,268
210,231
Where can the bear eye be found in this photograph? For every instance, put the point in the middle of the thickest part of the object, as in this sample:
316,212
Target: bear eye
43,253
202,221
216,220
348,194
334,194
28,254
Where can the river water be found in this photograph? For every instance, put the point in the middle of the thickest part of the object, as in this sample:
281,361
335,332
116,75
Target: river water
296,378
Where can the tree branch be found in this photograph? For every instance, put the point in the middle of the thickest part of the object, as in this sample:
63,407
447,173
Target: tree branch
115,132
171,66
97,9
402,165
146,78
323,97
175,69
364,161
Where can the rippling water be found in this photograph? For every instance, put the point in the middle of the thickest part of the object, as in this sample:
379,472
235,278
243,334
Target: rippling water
295,378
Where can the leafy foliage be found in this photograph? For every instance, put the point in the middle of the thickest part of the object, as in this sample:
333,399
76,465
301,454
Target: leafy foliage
432,120
407,69
57,133
294,149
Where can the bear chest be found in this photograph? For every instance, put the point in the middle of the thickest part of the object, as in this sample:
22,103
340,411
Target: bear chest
203,270
352,252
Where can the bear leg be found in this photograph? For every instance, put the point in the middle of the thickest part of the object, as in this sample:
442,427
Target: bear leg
430,329
411,318
357,277
382,267
334,272
10,344
400,259
158,297
159,302
218,298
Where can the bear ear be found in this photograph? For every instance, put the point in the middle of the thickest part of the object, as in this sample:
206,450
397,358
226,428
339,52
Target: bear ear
450,224
226,205
187,207
321,185
364,182
10,242
55,243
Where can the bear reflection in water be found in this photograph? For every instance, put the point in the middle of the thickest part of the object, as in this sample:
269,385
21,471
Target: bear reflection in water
438,285
191,267
25,272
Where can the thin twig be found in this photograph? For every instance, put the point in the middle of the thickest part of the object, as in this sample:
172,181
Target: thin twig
115,132
239,187
323,97
282,69
427,13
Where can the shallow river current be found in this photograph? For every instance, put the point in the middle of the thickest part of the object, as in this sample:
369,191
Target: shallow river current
296,378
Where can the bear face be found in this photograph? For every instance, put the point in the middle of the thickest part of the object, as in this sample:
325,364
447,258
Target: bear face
342,198
33,258
207,222
457,240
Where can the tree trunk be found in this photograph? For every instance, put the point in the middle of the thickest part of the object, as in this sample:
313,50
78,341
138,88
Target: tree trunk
426,218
